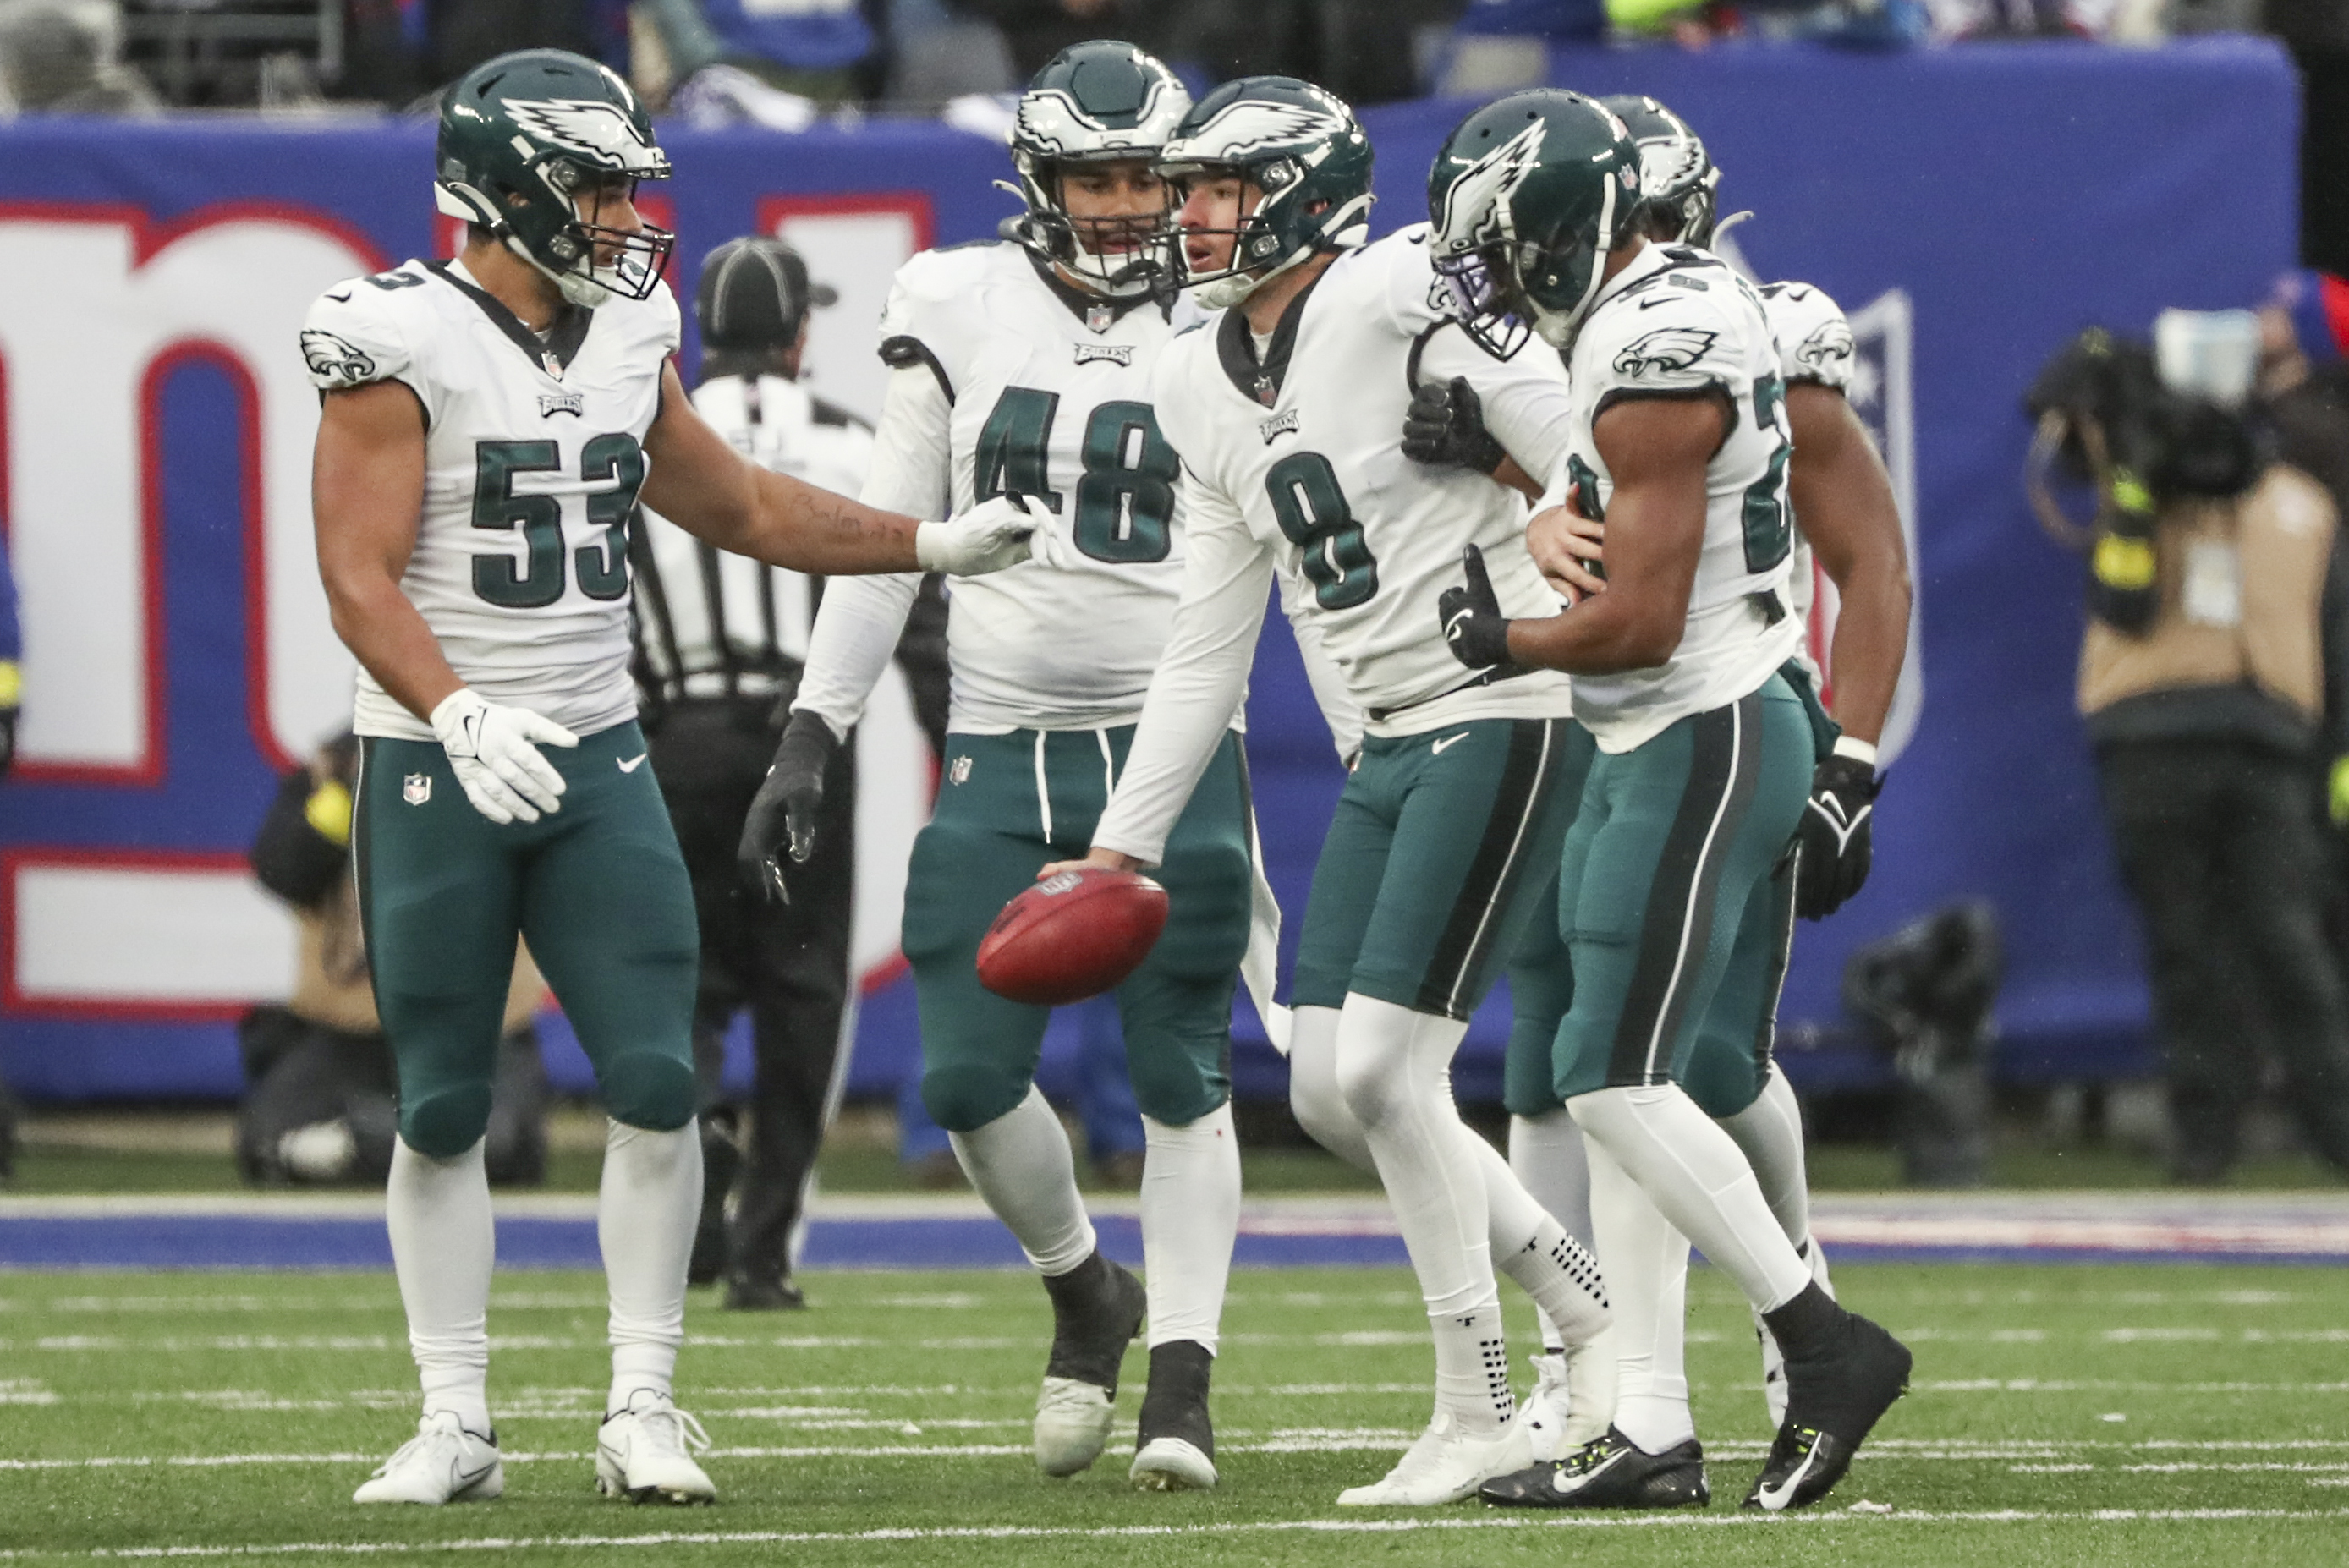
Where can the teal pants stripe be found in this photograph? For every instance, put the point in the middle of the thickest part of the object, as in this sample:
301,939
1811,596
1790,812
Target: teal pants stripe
1430,871
1674,907
597,888
1010,804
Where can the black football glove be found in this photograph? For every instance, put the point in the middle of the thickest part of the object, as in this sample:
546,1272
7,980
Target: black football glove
784,812
1473,627
1835,836
1445,428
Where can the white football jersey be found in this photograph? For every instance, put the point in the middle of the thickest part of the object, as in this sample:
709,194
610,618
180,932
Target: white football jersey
1305,448
1815,343
1050,399
533,457
1676,323
780,426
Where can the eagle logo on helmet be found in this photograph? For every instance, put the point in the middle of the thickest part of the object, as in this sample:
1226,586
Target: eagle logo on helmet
1052,123
1826,349
1663,351
1253,126
598,133
1480,199
336,360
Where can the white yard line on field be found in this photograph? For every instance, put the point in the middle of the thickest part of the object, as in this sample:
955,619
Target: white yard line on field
1865,1514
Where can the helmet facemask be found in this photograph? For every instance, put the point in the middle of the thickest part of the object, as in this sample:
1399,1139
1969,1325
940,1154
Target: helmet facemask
1257,256
592,262
1121,257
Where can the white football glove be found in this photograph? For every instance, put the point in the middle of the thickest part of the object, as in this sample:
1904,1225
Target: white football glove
491,748
996,533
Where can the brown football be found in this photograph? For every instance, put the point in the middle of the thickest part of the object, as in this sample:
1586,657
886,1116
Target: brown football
1073,935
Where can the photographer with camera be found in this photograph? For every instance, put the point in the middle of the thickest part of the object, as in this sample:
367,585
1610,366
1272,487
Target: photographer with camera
2218,620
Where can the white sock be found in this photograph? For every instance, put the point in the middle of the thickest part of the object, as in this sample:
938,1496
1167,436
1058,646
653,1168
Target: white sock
1313,1094
443,1245
1526,1244
1021,1165
1534,1248
1769,1132
1546,1156
1190,1214
1694,1172
1646,1274
646,1212
1394,1073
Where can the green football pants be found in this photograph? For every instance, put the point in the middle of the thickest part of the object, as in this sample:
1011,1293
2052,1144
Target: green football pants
597,888
1430,872
1007,806
1675,914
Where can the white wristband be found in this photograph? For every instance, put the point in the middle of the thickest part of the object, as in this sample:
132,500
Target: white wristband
1857,750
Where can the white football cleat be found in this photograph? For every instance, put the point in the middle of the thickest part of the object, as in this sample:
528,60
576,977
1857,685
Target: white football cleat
442,1463
1445,1466
1072,1420
1172,1464
1543,1412
1773,1360
644,1453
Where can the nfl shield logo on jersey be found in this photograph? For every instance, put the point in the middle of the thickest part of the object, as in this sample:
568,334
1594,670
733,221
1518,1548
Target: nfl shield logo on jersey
416,788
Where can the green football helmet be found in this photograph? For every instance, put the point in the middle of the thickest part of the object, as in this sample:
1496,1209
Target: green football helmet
1101,102
523,138
1526,197
1677,179
1297,145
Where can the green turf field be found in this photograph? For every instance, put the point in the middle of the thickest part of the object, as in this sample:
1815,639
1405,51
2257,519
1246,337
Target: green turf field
2062,1415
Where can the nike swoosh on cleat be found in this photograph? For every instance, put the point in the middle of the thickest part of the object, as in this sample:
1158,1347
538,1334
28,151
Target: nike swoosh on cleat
1593,1473
1779,1499
629,765
1439,747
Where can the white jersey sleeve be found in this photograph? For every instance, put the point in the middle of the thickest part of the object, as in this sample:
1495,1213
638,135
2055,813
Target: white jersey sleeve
1813,339
1201,680
355,335
859,624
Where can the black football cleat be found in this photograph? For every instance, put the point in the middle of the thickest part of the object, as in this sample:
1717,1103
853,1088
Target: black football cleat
1846,1375
1611,1472
1097,1310
1174,1446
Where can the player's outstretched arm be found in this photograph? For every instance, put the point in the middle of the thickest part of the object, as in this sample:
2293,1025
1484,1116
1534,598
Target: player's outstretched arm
712,492
1658,449
366,498
1843,502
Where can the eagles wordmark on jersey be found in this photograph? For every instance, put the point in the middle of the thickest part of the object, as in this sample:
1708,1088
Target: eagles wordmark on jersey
1679,322
532,461
1298,457
1044,393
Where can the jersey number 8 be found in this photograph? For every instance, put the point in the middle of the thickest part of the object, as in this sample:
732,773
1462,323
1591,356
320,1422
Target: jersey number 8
1125,497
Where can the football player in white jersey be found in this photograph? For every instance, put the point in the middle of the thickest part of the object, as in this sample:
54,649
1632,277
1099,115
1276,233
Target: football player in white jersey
1704,750
1023,367
1285,411
1842,496
488,426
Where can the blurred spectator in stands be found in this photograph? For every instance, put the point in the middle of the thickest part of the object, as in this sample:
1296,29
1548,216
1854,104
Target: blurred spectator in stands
399,51
1036,30
716,56
320,1103
723,641
1503,45
61,56
2218,624
1363,50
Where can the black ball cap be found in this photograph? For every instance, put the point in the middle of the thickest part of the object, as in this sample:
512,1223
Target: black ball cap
754,293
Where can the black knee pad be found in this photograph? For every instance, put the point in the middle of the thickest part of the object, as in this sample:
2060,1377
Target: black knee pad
967,1096
446,1122
652,1089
